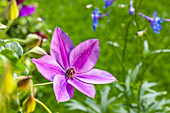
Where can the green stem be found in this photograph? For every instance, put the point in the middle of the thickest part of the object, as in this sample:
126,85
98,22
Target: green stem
7,28
43,105
142,76
42,84
140,4
125,43
120,59
25,54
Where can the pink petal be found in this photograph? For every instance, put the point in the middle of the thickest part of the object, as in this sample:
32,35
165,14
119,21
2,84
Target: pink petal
60,48
83,87
96,76
48,67
84,56
63,91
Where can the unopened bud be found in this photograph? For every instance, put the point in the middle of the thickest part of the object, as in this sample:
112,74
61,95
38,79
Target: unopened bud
29,104
37,52
8,84
23,82
140,33
11,11
33,40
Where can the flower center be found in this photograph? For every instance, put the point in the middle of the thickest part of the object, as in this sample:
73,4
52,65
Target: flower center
70,72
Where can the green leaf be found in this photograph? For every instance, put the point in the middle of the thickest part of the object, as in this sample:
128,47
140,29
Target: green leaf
93,105
104,97
113,43
159,51
2,26
13,57
119,86
1,41
146,47
127,82
76,105
15,46
136,70
10,54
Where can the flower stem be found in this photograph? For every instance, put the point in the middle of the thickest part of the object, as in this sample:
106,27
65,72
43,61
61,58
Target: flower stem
125,43
120,59
6,29
42,84
43,105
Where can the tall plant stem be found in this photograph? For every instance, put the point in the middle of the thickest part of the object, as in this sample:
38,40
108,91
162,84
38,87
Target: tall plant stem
42,84
7,28
120,59
142,79
125,43
140,4
43,105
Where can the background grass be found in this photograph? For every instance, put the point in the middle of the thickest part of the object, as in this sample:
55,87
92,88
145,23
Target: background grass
74,18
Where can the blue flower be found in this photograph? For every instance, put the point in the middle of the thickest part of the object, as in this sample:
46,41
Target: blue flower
155,22
108,3
95,16
131,9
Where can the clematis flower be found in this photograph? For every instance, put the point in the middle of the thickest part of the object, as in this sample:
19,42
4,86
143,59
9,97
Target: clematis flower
108,3
68,66
155,22
26,10
95,16
131,9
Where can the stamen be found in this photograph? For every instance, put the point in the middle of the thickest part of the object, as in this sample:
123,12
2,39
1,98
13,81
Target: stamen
70,72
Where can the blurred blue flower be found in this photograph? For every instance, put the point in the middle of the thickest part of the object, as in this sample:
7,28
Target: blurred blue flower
95,16
131,9
108,3
155,22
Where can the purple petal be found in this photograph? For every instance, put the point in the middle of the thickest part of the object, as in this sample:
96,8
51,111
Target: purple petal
100,16
60,48
146,17
168,20
155,14
48,67
84,56
26,10
63,91
83,87
96,76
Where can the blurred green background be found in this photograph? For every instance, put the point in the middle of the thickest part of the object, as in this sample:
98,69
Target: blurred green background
74,18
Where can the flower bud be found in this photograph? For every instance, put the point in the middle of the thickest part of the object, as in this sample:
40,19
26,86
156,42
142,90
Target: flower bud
140,33
29,104
7,83
23,82
33,40
37,52
11,11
